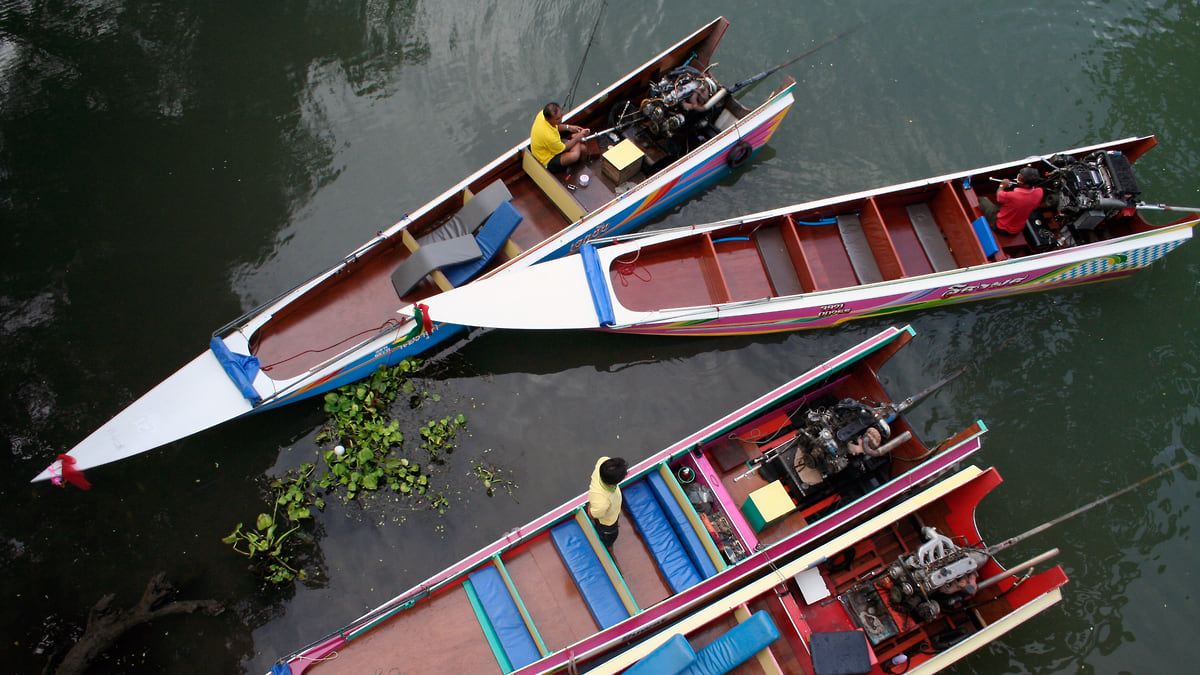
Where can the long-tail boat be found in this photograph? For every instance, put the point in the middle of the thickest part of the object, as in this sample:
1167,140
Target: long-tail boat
913,590
917,245
655,145
712,512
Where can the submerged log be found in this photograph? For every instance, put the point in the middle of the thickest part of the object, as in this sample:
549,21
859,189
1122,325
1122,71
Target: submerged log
105,624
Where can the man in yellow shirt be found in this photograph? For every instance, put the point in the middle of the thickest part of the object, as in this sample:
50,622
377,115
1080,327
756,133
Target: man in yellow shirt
604,498
547,145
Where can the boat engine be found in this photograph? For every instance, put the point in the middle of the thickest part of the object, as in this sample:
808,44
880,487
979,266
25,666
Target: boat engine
832,438
938,574
1093,189
683,89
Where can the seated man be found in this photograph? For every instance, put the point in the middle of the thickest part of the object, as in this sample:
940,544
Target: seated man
1015,203
546,143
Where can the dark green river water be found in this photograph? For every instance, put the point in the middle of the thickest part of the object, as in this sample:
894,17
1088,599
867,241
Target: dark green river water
166,166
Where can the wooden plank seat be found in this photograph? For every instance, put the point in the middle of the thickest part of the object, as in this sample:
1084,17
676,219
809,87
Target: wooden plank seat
781,271
660,537
593,582
940,257
855,240
552,187
502,620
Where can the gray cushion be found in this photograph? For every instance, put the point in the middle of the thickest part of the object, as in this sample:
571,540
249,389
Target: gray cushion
433,256
472,215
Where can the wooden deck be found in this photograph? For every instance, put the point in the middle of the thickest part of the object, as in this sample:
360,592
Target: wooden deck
443,638
875,239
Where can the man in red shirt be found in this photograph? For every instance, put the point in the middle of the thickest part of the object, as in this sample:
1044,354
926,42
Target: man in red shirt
1015,203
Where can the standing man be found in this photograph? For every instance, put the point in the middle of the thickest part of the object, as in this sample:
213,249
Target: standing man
1015,203
547,145
604,498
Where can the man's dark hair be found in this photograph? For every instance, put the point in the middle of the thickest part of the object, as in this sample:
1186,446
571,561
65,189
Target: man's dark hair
1029,175
550,110
613,471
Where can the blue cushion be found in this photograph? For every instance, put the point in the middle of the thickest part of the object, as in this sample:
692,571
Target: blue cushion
660,537
589,575
506,619
683,527
735,646
670,658
987,238
596,278
495,231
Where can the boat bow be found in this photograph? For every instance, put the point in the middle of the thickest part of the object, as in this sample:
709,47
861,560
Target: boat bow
172,410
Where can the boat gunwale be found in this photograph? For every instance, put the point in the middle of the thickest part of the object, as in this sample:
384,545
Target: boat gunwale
696,157
967,443
947,489
857,509
824,202
382,338
634,319
669,608
842,361
806,561
504,159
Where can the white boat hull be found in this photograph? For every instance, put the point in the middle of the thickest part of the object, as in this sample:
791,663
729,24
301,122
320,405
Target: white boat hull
198,396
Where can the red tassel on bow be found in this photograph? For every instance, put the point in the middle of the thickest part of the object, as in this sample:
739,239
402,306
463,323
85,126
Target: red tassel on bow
426,322
71,474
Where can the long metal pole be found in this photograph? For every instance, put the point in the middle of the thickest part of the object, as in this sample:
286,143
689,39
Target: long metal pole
1032,562
1164,207
766,73
992,550
579,73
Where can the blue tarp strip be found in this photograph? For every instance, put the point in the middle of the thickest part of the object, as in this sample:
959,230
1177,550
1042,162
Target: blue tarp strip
241,368
596,282
822,221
